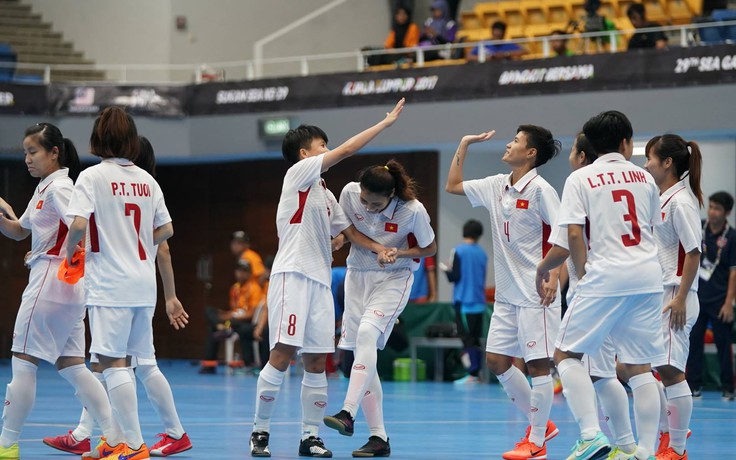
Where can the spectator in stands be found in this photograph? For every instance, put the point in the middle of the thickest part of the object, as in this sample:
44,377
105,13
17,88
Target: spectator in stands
246,295
424,288
716,292
439,29
637,16
468,272
559,44
240,247
403,34
498,51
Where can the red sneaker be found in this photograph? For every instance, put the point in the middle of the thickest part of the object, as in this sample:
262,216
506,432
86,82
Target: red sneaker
169,446
68,443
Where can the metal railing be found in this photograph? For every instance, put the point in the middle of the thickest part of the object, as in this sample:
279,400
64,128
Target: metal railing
350,61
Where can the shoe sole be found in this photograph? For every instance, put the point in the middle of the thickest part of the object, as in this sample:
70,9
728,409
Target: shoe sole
336,424
315,456
168,455
551,435
366,454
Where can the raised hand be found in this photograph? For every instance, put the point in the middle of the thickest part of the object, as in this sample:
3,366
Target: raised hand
476,138
393,115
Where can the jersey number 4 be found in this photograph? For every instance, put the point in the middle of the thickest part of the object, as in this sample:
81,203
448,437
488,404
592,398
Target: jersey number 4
635,237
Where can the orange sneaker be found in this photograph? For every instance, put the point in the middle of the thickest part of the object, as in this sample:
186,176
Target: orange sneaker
103,449
664,441
550,433
127,453
670,454
526,450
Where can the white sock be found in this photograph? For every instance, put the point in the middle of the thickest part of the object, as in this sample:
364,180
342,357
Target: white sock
580,395
615,407
646,411
517,388
19,398
267,391
664,425
124,403
680,410
364,366
93,396
162,399
543,392
314,402
86,420
373,408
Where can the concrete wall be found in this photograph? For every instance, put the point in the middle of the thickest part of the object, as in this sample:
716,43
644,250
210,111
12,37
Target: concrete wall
144,32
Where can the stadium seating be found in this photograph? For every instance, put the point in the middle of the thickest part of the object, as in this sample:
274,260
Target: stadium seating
8,59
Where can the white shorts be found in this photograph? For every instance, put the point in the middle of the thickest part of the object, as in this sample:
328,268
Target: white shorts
50,320
677,343
602,363
629,320
374,297
301,313
523,332
118,332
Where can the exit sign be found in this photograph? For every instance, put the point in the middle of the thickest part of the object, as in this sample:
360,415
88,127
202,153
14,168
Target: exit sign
274,128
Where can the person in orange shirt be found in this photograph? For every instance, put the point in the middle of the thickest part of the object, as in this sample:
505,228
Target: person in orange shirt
240,247
403,33
246,295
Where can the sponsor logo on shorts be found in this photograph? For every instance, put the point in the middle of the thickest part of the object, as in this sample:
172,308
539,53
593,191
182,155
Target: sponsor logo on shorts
267,398
7,403
358,367
321,404
367,393
378,313
534,409
531,344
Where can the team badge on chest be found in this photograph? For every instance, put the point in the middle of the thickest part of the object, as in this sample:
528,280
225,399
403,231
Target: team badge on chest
391,227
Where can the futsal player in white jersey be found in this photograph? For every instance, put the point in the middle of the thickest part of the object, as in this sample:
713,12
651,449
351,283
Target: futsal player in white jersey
300,305
523,207
382,205
49,325
601,365
123,209
174,439
620,287
671,159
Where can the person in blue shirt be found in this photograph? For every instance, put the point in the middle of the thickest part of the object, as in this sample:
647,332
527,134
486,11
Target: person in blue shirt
498,51
424,288
468,273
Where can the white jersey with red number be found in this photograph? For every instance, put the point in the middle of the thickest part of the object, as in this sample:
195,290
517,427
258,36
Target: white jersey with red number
307,217
521,219
679,234
46,218
123,204
621,204
402,225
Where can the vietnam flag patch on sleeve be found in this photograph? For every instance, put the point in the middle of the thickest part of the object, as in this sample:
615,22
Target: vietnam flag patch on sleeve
391,227
522,204
39,205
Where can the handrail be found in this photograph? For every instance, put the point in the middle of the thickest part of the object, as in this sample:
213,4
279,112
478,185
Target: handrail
355,59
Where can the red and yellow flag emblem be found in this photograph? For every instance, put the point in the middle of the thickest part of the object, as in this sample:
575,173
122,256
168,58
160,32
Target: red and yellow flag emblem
39,205
522,204
391,227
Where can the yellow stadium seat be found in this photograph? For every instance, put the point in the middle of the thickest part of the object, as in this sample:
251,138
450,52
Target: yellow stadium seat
475,35
536,12
488,13
470,20
558,11
655,11
696,6
578,9
679,12
608,8
513,13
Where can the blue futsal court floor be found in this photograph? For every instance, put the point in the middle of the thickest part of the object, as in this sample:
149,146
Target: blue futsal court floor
424,420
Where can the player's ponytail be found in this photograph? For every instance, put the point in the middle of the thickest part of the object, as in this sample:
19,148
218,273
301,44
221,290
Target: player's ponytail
49,137
685,156
114,135
387,179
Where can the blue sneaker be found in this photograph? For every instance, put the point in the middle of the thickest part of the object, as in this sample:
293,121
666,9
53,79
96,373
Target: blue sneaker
596,448
467,379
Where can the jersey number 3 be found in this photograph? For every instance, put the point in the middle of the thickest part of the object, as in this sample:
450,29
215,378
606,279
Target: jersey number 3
635,237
